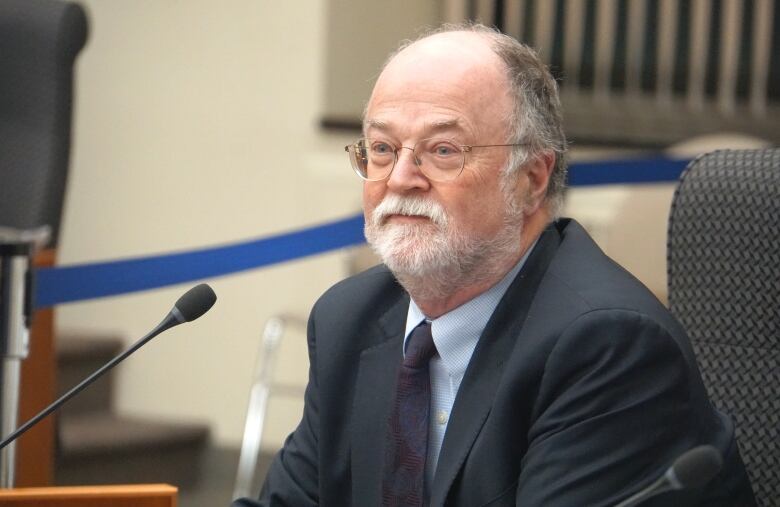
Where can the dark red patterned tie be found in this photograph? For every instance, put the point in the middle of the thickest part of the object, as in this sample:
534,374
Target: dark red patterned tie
406,445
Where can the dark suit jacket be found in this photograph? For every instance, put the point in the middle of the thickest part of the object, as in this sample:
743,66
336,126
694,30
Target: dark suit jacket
581,391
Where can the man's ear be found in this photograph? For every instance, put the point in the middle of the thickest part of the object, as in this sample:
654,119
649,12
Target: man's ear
538,171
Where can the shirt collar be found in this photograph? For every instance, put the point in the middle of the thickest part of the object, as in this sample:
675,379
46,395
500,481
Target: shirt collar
457,332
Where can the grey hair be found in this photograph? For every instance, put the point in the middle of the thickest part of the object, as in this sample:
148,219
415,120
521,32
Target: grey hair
537,121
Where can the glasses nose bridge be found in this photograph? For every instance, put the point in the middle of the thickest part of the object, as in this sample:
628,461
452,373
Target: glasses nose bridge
415,156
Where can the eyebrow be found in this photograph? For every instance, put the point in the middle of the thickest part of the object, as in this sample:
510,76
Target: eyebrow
435,126
377,124
453,123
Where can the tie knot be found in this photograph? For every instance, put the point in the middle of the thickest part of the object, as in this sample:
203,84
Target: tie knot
420,348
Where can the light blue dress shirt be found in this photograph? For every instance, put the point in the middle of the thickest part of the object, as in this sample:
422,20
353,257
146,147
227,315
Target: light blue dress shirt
455,334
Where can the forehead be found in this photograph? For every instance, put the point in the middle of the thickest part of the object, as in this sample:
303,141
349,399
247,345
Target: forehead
447,82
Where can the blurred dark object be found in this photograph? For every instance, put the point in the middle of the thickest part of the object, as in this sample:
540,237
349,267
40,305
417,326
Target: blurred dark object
633,73
652,73
39,41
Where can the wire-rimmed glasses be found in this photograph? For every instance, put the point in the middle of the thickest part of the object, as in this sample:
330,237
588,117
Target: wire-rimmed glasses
439,159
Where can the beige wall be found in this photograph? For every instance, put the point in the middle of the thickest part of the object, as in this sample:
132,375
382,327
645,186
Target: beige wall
195,125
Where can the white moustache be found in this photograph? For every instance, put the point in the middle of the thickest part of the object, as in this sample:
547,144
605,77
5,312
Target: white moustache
412,206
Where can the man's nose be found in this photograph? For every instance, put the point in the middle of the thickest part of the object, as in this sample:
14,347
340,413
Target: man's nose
406,174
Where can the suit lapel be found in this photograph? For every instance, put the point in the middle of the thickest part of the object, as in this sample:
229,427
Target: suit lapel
476,392
374,393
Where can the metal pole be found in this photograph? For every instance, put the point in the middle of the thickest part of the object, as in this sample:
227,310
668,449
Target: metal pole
14,347
16,248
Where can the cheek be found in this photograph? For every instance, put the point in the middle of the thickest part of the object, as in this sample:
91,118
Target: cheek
480,209
480,220
490,219
372,195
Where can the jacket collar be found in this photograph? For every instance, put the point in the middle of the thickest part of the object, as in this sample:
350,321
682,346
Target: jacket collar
374,391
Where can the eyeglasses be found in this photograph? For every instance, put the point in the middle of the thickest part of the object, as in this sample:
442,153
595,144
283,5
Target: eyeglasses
438,159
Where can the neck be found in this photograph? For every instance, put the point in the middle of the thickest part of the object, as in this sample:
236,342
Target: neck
444,291
435,305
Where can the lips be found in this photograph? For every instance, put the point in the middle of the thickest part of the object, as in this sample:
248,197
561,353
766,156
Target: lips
404,219
402,216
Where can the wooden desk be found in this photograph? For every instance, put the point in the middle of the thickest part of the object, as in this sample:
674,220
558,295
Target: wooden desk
135,495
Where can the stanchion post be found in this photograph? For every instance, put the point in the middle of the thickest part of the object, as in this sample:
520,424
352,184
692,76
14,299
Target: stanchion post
16,291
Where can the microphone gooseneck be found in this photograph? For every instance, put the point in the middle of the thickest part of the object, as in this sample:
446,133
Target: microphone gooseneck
692,469
193,304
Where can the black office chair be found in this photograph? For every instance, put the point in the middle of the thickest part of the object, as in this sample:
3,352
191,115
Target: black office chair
39,41
724,286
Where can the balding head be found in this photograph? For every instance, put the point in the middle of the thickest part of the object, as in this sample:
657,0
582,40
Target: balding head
447,71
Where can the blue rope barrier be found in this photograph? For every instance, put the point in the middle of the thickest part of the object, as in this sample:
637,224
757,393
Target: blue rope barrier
88,281
654,170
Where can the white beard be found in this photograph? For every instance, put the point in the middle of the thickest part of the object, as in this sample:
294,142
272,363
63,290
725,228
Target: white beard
435,259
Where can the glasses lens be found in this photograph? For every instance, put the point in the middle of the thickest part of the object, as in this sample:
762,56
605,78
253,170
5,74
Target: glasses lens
358,158
439,159
372,159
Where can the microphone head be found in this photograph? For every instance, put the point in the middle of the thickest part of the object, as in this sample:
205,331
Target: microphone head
697,467
195,302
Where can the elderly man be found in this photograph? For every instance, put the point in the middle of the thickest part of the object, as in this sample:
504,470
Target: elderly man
497,357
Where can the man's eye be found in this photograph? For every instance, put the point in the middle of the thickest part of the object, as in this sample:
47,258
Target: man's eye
381,148
444,150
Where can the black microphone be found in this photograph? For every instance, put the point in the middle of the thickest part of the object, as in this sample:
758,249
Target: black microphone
194,303
692,469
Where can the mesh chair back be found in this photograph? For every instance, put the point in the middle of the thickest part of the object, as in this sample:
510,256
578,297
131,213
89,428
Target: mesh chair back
39,40
724,287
